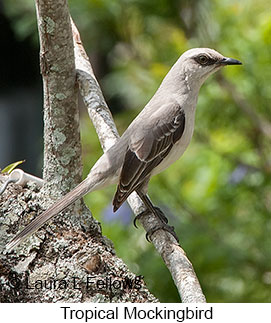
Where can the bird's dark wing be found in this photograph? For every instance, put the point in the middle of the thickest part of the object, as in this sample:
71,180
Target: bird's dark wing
147,148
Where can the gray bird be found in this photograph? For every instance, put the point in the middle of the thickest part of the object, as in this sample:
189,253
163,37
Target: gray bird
155,139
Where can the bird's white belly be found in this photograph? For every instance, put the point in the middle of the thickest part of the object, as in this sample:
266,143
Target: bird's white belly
178,149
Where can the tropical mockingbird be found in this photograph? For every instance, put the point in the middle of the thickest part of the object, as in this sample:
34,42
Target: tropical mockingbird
156,138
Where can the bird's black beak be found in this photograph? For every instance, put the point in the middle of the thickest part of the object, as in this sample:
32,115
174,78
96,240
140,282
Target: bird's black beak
229,61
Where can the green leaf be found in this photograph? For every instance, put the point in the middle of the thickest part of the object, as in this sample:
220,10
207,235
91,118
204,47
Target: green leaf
10,167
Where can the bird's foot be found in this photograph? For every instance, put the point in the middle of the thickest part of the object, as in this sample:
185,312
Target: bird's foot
158,212
162,226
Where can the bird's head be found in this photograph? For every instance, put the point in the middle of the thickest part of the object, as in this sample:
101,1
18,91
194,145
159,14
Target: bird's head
198,63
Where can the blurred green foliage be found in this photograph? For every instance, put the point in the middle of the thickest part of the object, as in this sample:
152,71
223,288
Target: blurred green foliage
219,194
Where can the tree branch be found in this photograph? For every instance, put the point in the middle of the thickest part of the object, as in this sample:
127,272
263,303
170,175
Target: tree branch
173,255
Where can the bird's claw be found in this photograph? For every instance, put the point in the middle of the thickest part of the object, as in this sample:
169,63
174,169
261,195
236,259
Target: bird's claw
161,226
158,212
137,217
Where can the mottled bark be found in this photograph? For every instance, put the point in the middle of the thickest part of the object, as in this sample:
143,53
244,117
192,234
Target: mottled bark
62,147
66,266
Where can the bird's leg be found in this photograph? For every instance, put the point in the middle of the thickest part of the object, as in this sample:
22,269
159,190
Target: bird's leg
150,208
158,213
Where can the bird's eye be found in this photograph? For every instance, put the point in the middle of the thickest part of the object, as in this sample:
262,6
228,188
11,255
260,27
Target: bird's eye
202,59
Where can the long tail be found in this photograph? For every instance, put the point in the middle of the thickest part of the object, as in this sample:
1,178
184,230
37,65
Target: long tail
79,191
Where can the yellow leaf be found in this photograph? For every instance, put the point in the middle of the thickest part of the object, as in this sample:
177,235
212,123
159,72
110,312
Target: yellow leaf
10,167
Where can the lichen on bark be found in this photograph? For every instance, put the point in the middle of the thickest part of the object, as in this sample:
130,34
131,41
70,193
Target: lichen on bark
67,265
